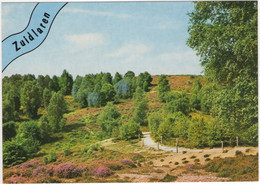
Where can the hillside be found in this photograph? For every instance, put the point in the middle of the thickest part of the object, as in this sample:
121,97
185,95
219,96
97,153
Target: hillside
81,155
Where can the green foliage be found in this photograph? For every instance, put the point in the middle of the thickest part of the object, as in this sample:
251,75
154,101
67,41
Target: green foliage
109,119
28,136
74,91
130,130
54,84
177,102
129,74
30,99
52,157
13,154
144,81
181,125
252,135
163,87
106,79
140,107
117,78
8,108
224,34
65,83
109,91
82,97
55,110
46,97
126,87
9,130
96,99
154,121
198,133
44,127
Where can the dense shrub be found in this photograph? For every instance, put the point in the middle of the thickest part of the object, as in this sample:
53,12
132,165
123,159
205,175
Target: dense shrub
13,154
130,131
102,172
68,170
9,130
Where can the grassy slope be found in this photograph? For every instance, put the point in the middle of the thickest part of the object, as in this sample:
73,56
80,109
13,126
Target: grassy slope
82,122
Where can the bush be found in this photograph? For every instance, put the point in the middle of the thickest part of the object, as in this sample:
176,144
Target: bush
68,170
13,154
45,160
193,156
206,155
102,172
197,160
185,162
52,157
128,163
9,130
130,131
67,151
207,159
238,152
176,163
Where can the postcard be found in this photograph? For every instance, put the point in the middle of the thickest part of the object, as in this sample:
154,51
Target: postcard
129,91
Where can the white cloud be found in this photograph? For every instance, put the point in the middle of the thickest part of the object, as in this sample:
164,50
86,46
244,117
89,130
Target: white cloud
179,57
80,42
98,13
130,52
166,25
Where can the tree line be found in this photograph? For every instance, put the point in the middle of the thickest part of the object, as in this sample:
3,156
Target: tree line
25,128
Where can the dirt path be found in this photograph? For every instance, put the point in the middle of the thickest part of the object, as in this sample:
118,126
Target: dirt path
148,142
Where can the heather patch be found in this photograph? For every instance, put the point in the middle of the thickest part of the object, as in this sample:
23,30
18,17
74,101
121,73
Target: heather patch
128,163
102,172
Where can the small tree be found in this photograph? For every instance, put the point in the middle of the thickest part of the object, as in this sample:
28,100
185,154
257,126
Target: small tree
46,97
55,110
109,91
109,119
163,87
117,78
130,131
74,91
65,83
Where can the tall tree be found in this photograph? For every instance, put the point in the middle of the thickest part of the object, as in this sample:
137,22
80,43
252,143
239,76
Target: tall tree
163,87
117,78
65,83
224,34
30,99
55,110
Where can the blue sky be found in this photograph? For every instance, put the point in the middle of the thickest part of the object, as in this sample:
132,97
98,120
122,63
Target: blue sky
107,37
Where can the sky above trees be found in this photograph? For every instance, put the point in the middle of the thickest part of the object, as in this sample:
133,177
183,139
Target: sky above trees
107,37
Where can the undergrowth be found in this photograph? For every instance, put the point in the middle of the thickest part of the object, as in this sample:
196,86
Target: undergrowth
239,168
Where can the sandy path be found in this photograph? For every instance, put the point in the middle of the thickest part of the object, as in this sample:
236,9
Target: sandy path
148,142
